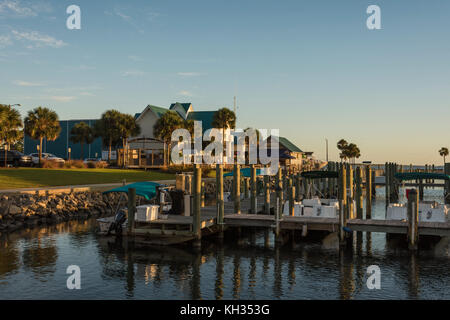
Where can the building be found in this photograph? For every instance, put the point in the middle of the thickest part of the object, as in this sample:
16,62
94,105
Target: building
60,147
289,154
146,149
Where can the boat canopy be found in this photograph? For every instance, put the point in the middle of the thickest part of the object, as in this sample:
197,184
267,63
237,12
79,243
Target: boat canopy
320,174
421,176
245,172
144,189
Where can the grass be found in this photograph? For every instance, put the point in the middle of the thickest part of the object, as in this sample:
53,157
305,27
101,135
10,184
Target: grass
13,178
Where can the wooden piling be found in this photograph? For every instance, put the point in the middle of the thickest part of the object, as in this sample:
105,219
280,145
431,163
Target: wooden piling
298,190
291,201
358,194
197,186
280,191
131,209
267,194
203,194
369,192
342,203
413,219
253,189
219,199
421,190
237,189
386,182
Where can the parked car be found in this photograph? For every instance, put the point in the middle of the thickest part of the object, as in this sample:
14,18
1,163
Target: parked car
26,161
13,158
45,156
92,160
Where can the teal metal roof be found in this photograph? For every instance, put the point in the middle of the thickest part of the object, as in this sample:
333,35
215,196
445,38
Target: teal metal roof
144,189
421,176
289,145
206,117
158,110
184,105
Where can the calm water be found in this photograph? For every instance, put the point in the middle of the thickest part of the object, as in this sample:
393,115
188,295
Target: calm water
33,266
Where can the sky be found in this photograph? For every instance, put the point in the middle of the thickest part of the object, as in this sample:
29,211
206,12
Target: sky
309,68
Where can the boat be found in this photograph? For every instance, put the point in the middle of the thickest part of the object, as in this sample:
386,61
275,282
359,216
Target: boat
315,206
429,211
158,208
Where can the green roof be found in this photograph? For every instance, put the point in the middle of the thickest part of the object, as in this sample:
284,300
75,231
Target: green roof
158,110
206,117
289,145
184,105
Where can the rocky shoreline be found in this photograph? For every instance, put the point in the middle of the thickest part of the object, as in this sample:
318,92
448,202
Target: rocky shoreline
28,210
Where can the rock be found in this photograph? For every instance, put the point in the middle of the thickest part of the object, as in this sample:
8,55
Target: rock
13,209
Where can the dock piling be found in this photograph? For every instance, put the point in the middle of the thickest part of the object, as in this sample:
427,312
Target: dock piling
369,192
196,226
253,189
237,189
358,194
413,219
131,208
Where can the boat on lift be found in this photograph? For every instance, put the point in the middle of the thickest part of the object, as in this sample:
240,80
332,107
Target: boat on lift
429,211
157,207
314,206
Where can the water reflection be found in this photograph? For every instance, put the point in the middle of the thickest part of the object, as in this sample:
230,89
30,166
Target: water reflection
251,268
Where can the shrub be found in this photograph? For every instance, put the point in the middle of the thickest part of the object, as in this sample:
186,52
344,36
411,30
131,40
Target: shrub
91,165
79,164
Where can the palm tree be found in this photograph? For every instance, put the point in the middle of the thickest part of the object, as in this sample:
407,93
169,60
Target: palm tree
352,152
443,153
342,145
127,128
164,127
82,133
10,124
108,129
42,123
223,119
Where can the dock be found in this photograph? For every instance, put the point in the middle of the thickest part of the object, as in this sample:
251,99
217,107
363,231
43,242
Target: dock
261,208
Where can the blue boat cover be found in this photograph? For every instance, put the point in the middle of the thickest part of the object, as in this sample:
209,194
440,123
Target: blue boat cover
145,189
245,172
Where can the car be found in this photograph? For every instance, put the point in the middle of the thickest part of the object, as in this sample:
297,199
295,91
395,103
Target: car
13,157
45,156
92,160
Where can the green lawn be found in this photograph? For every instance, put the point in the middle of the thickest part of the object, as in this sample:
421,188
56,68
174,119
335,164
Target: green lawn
37,177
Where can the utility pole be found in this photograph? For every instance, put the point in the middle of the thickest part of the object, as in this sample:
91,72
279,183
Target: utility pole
234,109
327,148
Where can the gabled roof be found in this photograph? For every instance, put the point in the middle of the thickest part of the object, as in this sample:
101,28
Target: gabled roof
185,106
206,117
288,145
158,110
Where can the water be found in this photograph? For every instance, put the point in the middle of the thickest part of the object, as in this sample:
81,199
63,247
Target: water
33,265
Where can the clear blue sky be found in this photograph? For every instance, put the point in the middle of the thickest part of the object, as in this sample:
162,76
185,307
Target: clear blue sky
310,68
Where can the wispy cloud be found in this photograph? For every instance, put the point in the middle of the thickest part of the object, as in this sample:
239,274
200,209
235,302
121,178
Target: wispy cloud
63,98
185,93
87,94
137,21
190,74
5,41
27,84
14,7
135,58
133,73
35,39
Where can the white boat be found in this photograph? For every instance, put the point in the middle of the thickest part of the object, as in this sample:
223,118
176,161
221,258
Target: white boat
315,207
430,211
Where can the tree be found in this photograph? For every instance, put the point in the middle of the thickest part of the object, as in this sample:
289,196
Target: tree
223,119
42,123
10,124
127,128
342,145
164,127
82,133
443,153
107,127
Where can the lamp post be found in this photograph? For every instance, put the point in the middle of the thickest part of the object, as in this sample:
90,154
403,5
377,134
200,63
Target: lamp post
327,148
69,150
